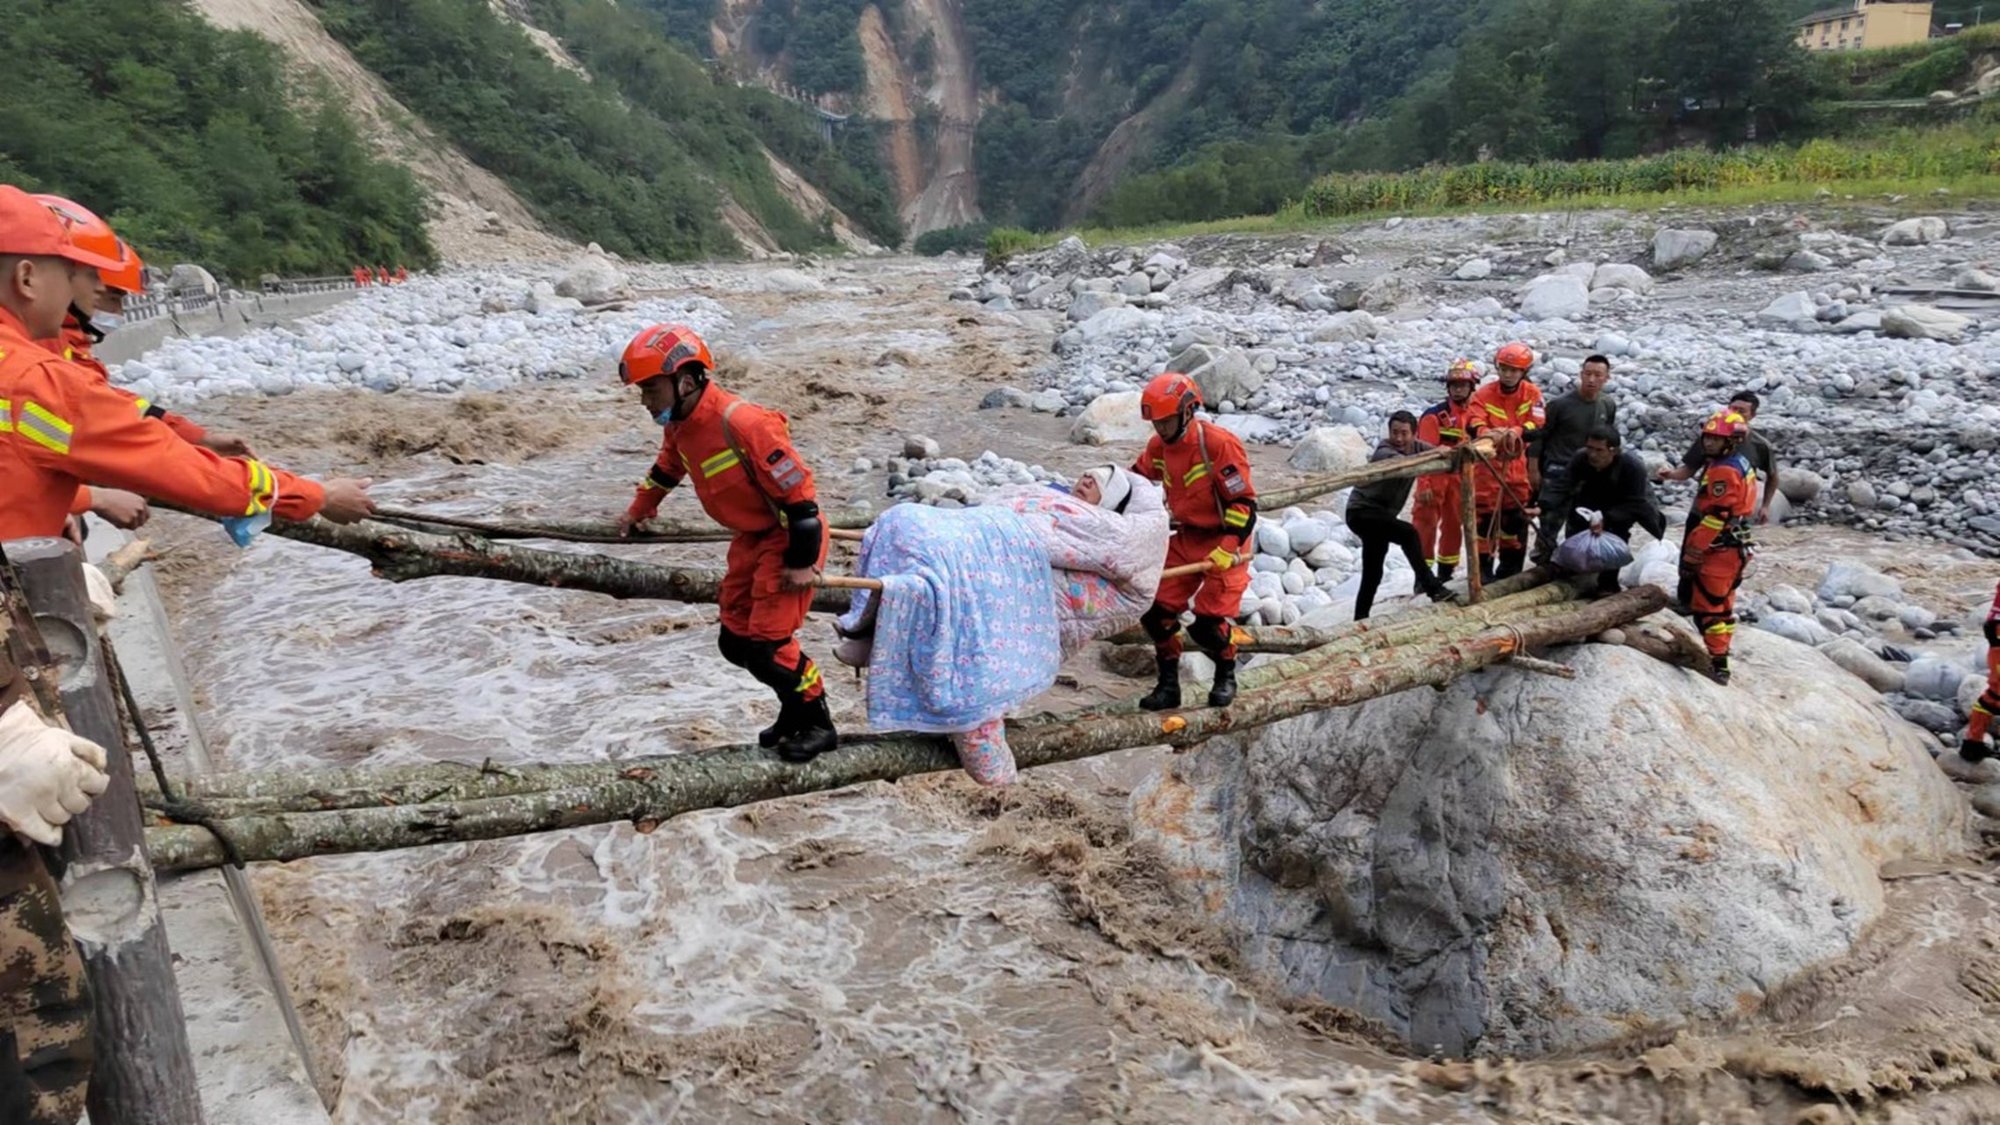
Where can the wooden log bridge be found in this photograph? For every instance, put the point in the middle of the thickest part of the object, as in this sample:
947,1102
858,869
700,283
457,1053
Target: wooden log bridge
650,790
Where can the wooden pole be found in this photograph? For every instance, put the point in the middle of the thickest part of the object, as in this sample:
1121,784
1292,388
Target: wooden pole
599,531
144,1074
663,787
1468,524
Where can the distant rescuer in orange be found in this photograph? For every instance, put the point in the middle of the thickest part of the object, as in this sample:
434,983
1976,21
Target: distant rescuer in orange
1718,549
751,480
1213,503
1511,406
60,426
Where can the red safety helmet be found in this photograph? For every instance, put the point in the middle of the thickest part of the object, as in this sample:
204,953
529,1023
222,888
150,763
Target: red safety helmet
1169,395
94,235
1516,355
662,350
1463,371
1725,424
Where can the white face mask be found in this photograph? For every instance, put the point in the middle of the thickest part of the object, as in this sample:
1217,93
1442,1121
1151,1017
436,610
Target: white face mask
107,322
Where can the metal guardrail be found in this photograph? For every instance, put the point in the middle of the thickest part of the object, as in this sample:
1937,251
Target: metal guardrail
149,306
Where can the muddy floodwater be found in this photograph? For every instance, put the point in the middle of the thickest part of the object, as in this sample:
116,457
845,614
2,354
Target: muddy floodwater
918,952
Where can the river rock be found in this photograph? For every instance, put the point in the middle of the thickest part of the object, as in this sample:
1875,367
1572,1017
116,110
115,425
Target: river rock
1861,494
1272,540
1914,232
1928,677
1089,303
594,282
1437,860
1478,269
1618,275
1871,669
1221,373
1921,322
1786,598
1555,297
1111,419
786,280
1347,327
1331,449
1795,311
1306,534
1197,283
1116,322
1857,581
1674,248
1795,627
188,280
919,447
1800,486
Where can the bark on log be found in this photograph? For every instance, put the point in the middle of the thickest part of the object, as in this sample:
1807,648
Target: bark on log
595,531
1423,464
119,564
727,778
401,555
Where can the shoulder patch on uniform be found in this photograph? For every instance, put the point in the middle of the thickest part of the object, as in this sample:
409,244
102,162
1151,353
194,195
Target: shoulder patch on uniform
776,456
1228,470
1718,488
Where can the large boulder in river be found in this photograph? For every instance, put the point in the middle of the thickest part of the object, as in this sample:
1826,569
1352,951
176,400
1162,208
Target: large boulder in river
1555,296
1331,449
1223,374
1915,232
594,281
1922,322
1673,248
1522,864
1111,419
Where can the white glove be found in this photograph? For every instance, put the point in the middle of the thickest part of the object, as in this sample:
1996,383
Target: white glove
47,774
103,599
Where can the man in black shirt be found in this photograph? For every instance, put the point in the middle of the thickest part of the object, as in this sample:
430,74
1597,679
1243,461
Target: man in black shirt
1606,480
1763,462
1571,420
1374,514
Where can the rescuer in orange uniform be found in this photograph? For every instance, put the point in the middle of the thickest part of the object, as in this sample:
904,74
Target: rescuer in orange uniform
60,426
1974,747
1718,548
1437,514
750,480
1511,406
97,307
1214,507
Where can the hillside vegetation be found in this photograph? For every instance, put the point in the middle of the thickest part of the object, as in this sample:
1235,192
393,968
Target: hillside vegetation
192,142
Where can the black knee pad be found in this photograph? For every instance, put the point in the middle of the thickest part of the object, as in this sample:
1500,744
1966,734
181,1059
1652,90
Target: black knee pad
1211,634
1160,623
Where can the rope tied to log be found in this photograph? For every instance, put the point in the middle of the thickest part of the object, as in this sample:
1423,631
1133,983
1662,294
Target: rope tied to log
170,803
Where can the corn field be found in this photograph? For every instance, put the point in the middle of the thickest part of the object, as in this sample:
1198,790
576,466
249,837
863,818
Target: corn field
1917,155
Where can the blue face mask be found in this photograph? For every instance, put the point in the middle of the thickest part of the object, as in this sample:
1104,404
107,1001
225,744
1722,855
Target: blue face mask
107,322
665,417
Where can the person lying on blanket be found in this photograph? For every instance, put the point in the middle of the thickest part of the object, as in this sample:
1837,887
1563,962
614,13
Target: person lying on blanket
980,606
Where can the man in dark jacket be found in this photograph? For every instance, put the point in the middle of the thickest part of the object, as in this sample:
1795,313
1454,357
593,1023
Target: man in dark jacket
1606,480
1374,514
1571,419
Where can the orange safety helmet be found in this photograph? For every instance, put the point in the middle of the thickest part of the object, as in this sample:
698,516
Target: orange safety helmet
1516,355
1462,371
1725,424
1168,395
662,350
91,233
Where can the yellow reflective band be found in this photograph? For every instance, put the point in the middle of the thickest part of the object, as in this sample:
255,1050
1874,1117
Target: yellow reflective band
1236,517
6,417
43,428
1449,560
721,462
143,405
1496,411
1981,708
1713,523
262,484
1720,629
1160,463
1451,433
807,681
1194,474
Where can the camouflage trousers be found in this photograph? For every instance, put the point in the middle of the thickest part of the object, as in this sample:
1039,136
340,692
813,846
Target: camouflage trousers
45,1051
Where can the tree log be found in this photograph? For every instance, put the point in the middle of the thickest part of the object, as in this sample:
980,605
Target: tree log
668,787
1423,464
402,555
595,531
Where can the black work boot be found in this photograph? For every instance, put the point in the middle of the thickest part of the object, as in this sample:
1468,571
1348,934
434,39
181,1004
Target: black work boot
1975,750
1166,695
1445,571
1222,692
1721,670
788,718
1511,563
812,735
1437,591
